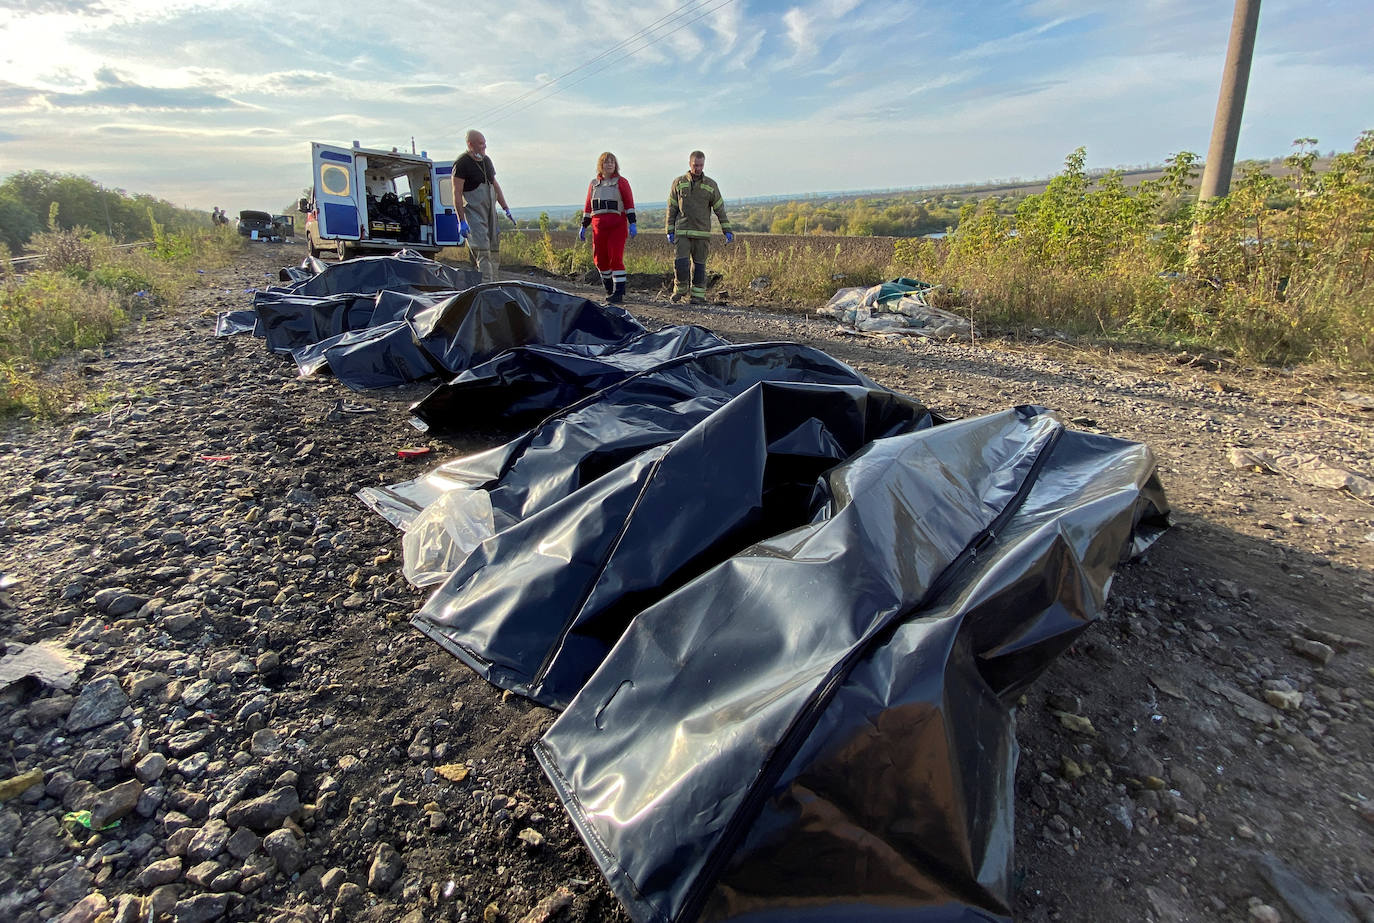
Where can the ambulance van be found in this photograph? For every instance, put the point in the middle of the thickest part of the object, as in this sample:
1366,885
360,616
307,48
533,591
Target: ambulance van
366,201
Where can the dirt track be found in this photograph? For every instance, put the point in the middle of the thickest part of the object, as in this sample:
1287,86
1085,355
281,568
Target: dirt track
254,614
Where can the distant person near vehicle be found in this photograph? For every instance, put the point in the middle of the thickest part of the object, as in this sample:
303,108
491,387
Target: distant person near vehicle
476,196
691,199
610,211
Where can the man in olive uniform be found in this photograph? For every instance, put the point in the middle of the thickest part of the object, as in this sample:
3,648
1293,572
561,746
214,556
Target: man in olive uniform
691,199
476,195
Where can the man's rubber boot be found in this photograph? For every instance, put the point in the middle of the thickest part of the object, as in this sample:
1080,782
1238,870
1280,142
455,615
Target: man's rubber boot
681,274
617,296
609,285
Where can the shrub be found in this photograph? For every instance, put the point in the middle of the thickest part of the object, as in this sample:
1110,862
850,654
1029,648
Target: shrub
1279,270
65,250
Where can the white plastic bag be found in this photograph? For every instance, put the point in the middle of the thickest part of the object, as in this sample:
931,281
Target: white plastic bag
441,537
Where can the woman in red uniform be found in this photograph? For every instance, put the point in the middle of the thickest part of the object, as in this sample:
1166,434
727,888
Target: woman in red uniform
610,211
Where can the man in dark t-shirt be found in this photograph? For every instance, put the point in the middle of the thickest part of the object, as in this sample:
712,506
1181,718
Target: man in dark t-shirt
476,195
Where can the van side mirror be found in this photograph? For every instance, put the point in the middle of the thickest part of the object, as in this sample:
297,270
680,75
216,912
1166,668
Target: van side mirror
303,206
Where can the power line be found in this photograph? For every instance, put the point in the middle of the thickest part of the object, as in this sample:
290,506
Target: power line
495,114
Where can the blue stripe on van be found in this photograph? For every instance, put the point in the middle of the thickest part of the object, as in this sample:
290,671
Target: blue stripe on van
340,219
443,171
341,158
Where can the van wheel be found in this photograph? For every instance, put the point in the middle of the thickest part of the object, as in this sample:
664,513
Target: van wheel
343,251
311,247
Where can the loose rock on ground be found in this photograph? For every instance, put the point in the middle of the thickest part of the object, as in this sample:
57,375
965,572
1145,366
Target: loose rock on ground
257,734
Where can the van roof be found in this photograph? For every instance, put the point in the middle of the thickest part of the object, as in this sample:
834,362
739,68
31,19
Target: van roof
400,155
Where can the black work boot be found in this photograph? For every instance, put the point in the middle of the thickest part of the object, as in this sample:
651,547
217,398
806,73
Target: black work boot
617,296
609,285
681,273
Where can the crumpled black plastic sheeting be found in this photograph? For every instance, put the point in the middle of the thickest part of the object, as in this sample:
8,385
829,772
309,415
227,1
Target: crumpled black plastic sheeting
521,386
819,728
376,357
405,271
410,337
309,267
289,321
419,325
484,320
536,607
580,442
323,300
232,323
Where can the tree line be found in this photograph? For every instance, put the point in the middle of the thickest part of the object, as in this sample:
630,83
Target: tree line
27,201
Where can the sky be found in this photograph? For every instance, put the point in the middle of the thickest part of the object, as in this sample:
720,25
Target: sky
215,104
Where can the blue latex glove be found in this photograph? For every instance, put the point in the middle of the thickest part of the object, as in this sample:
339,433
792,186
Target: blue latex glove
729,238
633,230
582,233
463,229
672,238
509,215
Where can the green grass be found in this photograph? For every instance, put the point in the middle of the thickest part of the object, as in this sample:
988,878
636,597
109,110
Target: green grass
85,291
1278,272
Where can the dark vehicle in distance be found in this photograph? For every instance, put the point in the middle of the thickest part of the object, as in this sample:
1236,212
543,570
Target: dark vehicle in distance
283,226
259,222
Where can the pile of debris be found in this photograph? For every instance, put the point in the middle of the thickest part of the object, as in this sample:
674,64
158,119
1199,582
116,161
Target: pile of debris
896,306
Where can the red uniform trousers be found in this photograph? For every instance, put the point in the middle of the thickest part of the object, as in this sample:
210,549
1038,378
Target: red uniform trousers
609,233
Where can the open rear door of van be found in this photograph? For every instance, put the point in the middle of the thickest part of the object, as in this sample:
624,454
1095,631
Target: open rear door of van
445,214
336,192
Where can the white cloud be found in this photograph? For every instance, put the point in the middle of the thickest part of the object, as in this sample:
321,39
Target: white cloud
908,92
1013,44
800,34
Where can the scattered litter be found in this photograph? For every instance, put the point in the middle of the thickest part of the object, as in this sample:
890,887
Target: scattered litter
49,663
897,306
1203,362
454,772
1305,467
75,821
343,409
216,458
413,452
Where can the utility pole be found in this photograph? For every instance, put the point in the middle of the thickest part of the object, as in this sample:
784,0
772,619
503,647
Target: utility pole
1221,153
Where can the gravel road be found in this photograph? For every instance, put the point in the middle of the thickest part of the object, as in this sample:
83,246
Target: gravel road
247,706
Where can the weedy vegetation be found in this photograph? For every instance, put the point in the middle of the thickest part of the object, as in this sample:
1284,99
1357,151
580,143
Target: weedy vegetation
1280,271
78,294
